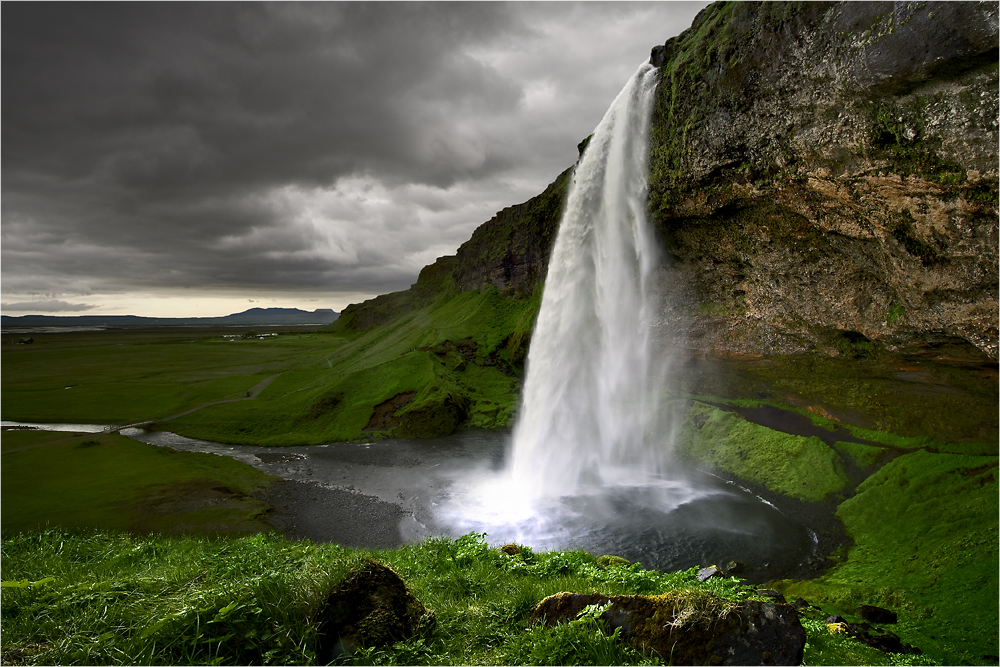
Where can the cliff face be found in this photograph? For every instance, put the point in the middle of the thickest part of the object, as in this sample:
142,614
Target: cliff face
822,176
825,174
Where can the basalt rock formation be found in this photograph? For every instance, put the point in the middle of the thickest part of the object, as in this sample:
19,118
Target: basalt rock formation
822,175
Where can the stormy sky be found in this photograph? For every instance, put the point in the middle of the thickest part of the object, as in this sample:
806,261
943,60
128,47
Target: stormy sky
196,159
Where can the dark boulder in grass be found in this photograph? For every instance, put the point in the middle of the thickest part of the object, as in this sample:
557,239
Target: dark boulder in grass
372,607
887,642
873,614
692,627
510,549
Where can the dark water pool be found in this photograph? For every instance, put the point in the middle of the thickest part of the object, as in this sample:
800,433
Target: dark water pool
458,484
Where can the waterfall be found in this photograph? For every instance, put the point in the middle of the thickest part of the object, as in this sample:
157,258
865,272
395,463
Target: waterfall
589,413
586,466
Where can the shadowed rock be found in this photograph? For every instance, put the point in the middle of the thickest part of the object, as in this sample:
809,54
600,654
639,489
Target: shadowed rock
372,607
873,614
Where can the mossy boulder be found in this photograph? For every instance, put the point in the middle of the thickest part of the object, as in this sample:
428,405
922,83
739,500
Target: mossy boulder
510,549
373,606
607,561
690,627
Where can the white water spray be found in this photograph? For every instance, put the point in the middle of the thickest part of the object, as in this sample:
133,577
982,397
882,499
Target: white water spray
589,417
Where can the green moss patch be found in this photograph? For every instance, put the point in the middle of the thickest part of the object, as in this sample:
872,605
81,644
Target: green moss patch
799,467
864,456
936,404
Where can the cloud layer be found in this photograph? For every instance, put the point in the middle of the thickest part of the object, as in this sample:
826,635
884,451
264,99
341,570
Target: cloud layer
235,148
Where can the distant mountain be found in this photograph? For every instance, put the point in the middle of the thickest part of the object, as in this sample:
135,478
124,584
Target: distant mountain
251,317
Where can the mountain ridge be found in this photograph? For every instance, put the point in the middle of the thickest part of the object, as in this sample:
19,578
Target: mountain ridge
251,316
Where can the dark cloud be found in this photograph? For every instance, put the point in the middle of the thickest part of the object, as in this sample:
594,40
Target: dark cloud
241,146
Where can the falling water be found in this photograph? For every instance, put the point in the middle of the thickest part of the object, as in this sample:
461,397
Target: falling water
589,415
587,467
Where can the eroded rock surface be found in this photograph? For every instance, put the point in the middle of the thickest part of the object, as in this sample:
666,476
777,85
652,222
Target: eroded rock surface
824,176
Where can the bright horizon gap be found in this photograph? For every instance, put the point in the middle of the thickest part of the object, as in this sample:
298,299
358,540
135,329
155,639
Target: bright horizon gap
206,304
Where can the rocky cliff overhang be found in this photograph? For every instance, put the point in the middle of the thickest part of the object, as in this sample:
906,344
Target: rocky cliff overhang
825,174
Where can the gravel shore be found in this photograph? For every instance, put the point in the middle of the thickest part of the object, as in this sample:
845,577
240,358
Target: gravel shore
303,510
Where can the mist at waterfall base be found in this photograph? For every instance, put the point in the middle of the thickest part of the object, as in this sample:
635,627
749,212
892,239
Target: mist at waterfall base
589,462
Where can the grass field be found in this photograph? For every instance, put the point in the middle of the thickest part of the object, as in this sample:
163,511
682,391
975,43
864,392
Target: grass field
328,382
84,481
922,523
123,375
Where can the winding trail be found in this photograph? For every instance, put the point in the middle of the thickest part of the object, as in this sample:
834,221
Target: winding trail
249,396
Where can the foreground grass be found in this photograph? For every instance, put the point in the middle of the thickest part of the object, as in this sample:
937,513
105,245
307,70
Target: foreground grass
110,481
109,598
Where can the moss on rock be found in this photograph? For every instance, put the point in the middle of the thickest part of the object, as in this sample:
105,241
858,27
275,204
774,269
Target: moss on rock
372,607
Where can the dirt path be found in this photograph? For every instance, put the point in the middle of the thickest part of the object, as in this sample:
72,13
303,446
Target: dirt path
250,395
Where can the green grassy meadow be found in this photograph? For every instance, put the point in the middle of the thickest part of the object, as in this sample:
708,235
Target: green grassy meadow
327,386
917,497
82,481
